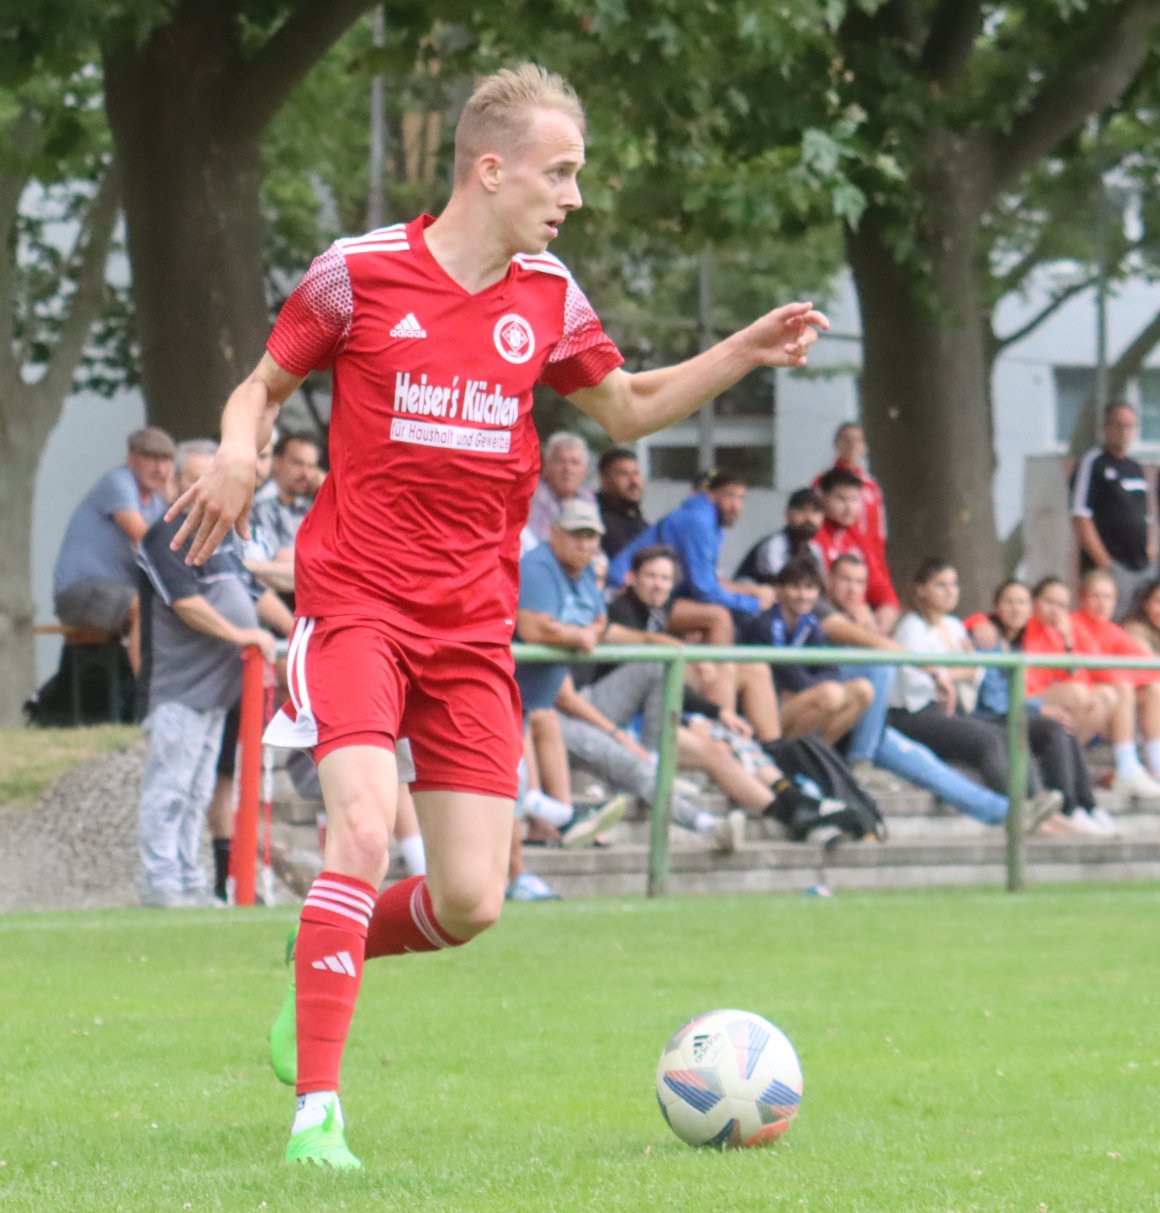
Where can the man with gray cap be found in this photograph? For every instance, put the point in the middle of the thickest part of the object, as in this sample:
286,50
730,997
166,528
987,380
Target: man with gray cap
94,584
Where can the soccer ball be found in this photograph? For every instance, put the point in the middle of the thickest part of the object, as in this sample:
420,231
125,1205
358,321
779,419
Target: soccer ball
729,1078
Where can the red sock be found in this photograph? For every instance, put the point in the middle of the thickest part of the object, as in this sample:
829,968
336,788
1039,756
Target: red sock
328,965
404,921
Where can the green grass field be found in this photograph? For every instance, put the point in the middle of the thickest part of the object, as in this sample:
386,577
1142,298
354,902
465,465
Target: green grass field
962,1050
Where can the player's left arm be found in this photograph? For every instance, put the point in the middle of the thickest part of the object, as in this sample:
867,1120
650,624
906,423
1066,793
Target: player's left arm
629,406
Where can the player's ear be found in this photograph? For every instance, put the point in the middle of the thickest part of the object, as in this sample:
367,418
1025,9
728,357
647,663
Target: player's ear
489,168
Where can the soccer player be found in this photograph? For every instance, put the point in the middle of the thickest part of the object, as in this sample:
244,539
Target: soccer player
407,566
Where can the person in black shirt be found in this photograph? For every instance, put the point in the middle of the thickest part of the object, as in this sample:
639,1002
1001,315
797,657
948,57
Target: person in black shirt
619,497
803,518
1109,507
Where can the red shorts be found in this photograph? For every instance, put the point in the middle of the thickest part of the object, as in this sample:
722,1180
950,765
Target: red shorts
360,682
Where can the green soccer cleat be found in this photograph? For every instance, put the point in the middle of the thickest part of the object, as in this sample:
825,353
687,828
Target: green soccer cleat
323,1145
284,1031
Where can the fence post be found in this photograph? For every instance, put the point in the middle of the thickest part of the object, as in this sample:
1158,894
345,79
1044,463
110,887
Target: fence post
1016,773
245,844
658,846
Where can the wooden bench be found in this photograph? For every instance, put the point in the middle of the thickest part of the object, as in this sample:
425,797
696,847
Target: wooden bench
92,649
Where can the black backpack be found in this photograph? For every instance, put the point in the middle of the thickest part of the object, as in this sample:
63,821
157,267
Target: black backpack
811,758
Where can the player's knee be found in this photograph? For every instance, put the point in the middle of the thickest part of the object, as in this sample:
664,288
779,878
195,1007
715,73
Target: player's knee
365,839
466,913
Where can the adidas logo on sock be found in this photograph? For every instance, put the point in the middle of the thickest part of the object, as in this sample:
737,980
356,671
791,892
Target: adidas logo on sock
409,327
341,963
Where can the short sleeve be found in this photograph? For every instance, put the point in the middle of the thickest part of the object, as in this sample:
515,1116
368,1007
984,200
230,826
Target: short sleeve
1081,485
170,576
119,492
585,354
537,586
315,321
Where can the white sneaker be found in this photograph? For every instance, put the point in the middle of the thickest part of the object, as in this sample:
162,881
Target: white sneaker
1039,809
1104,822
1081,822
729,833
583,832
1139,785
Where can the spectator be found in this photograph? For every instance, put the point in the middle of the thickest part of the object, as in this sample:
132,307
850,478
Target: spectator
1106,709
695,530
562,479
643,611
619,497
1058,751
196,619
841,533
1142,622
282,503
273,568
1096,635
932,705
803,517
95,580
850,456
279,577
1109,507
890,750
812,698
560,604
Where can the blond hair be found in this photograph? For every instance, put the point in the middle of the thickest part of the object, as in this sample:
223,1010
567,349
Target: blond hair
495,117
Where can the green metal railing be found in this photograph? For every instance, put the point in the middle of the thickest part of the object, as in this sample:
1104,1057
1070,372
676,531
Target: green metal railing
676,658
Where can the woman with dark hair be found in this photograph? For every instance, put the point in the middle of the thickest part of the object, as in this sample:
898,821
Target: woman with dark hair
1143,620
933,704
1055,747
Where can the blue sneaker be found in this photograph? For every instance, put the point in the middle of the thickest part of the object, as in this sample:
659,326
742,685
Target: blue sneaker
527,886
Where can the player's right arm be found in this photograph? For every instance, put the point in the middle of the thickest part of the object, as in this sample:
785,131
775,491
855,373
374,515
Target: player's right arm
221,499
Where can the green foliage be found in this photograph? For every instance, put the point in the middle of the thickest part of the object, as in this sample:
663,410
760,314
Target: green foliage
960,1049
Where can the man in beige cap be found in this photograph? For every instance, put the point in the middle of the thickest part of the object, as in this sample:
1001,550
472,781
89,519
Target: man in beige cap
95,580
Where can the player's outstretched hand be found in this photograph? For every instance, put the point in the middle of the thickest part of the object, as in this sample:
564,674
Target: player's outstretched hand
783,337
218,501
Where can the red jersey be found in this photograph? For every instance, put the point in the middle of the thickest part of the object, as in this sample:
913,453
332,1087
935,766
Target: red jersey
1101,637
1042,638
836,541
433,454
873,523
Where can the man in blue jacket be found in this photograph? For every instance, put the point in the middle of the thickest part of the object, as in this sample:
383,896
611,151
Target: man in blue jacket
695,530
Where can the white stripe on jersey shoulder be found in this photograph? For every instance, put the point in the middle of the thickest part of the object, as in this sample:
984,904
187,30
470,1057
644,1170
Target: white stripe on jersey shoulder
391,239
546,263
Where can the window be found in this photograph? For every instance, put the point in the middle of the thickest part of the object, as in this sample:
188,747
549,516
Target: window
1149,384
1074,386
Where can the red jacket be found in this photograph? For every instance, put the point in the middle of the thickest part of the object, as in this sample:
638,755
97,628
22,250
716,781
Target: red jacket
1100,637
873,524
836,541
1040,638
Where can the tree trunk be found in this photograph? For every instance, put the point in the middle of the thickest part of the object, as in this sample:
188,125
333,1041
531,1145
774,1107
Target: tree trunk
925,405
19,458
194,228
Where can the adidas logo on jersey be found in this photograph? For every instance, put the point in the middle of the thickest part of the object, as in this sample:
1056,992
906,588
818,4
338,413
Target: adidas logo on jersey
409,327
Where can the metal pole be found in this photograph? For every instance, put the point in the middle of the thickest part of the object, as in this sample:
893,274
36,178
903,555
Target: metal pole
245,845
1016,774
706,439
658,846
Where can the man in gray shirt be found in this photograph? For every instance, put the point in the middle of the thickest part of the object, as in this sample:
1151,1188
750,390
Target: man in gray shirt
94,584
196,619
